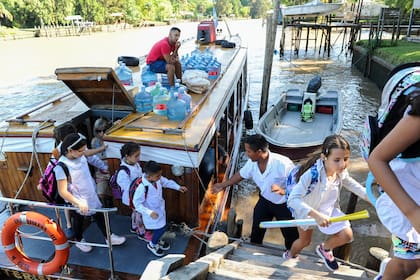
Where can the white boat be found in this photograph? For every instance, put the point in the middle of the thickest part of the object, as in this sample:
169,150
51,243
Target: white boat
288,134
313,8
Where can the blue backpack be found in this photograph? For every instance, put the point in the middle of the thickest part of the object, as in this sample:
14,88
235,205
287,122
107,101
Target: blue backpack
291,180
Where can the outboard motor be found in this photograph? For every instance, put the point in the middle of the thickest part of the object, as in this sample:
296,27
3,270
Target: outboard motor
314,84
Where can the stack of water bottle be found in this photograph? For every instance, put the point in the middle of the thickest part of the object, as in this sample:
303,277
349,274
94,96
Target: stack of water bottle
205,61
175,104
124,74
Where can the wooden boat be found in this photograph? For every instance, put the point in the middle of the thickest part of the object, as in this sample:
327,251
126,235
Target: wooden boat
313,8
216,120
284,129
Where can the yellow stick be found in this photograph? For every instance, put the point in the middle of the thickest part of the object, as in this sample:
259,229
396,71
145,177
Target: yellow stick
354,216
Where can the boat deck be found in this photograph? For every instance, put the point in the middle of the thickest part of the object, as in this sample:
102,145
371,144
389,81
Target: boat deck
291,130
131,258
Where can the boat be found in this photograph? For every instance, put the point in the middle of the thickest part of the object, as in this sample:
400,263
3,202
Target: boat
178,146
313,8
285,130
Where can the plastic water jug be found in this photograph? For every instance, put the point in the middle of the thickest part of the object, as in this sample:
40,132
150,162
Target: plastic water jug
156,89
143,101
148,78
176,108
124,74
160,103
183,95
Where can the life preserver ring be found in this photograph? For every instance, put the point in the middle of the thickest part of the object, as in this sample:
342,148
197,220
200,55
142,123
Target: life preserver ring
47,225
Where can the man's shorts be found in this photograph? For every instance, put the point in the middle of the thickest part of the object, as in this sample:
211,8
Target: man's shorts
159,66
405,250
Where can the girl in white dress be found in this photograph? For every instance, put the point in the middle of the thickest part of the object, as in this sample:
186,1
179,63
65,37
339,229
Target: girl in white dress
316,195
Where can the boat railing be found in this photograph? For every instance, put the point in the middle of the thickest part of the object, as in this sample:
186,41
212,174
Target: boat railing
36,204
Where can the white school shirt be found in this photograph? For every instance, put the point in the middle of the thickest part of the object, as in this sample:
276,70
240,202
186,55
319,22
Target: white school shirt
278,167
153,202
124,180
82,184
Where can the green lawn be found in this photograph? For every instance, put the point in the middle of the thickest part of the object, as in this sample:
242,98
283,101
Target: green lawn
402,52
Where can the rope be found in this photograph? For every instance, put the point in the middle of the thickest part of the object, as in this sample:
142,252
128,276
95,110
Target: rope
34,155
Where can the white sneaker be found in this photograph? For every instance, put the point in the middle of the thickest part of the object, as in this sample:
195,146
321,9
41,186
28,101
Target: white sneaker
116,239
84,247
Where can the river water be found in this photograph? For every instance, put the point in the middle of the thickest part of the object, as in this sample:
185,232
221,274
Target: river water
27,79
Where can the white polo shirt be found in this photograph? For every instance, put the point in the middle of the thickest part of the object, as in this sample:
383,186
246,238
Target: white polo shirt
278,168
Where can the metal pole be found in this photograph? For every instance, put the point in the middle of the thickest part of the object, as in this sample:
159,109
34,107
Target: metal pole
268,58
410,22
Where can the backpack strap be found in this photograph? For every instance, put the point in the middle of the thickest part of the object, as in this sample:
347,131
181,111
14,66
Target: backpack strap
65,169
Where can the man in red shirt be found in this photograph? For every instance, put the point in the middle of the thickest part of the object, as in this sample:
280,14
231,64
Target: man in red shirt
163,57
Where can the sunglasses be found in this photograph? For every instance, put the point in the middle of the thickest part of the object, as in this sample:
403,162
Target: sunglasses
100,130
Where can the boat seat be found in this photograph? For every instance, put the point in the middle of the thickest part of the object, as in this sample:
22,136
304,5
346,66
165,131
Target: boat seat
294,96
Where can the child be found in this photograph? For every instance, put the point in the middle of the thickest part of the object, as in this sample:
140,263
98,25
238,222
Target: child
395,163
81,191
320,199
152,205
130,157
59,133
101,176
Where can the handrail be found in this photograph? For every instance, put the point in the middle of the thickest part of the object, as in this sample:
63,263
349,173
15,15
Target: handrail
39,204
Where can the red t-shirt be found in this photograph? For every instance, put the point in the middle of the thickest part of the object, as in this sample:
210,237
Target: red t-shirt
159,49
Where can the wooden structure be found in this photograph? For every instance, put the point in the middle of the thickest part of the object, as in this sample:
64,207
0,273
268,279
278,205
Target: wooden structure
216,119
284,129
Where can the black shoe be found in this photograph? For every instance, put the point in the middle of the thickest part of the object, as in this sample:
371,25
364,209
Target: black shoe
164,245
156,250
327,257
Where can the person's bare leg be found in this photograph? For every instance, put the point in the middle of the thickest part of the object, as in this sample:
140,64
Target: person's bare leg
400,268
305,237
170,71
338,239
178,70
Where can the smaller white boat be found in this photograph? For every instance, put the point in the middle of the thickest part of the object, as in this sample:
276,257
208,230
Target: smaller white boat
299,121
313,8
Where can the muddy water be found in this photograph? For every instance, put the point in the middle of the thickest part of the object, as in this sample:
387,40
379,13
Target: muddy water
27,78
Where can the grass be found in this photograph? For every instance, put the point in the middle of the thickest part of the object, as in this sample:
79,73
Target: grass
401,52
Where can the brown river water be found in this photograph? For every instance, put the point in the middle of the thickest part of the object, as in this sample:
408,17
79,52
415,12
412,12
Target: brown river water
27,79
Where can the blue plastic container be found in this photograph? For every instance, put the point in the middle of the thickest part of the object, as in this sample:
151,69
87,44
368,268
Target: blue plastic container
176,108
160,103
148,78
124,74
143,101
183,95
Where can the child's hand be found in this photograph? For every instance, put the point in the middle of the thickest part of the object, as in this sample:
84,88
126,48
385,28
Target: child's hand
82,205
154,215
104,147
277,189
183,189
321,219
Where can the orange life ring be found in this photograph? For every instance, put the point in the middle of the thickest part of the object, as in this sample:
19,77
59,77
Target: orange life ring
47,225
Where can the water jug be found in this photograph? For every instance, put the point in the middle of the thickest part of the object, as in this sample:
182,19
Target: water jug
156,89
148,78
176,108
160,103
143,101
183,95
124,74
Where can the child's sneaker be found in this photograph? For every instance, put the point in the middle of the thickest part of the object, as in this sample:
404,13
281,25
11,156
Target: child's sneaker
287,256
84,247
164,245
156,250
116,239
133,230
147,236
327,257
382,267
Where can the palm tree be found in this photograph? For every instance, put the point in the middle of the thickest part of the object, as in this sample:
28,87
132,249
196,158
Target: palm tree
4,14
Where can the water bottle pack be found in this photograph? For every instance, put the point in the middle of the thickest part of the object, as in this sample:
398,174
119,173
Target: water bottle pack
124,74
205,61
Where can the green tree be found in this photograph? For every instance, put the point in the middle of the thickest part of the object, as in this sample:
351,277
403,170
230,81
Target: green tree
5,15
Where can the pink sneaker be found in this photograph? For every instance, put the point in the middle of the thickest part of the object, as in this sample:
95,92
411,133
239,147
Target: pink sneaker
147,236
327,257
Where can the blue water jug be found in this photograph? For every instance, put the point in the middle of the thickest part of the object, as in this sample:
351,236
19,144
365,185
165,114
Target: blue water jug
156,89
160,103
183,95
143,101
176,108
148,78
124,74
